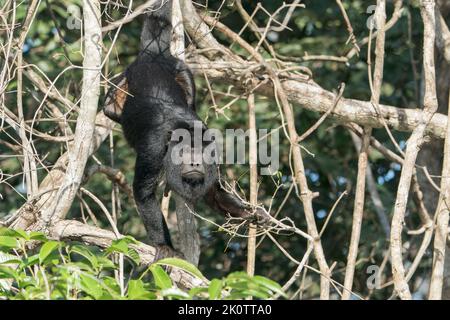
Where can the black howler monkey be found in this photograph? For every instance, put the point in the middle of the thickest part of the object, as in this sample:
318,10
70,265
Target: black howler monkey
154,97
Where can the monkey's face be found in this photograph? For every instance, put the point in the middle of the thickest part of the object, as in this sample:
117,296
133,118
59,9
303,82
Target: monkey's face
192,168
190,171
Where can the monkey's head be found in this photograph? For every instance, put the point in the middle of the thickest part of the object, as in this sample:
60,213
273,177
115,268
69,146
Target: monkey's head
190,164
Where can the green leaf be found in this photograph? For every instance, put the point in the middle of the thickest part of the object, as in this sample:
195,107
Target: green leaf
134,256
81,265
238,275
121,245
91,286
105,263
11,261
234,295
20,234
47,249
174,293
8,273
237,280
137,291
85,253
30,261
240,295
38,236
110,284
269,284
182,264
256,293
8,242
6,258
198,291
162,279
215,289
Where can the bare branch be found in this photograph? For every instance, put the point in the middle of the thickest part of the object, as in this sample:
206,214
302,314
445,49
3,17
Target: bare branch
380,16
412,149
442,35
442,221
253,154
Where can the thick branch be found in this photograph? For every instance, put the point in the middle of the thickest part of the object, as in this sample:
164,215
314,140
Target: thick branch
312,97
71,230
84,131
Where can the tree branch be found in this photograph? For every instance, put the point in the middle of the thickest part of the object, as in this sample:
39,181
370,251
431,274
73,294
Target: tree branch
84,131
413,146
312,97
71,230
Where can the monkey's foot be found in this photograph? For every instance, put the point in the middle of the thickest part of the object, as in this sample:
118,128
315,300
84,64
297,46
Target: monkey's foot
165,251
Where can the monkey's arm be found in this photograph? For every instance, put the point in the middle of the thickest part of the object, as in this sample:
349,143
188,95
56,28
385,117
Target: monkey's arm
185,79
227,203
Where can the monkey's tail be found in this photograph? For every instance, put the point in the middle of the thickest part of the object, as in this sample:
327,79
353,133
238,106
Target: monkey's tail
156,34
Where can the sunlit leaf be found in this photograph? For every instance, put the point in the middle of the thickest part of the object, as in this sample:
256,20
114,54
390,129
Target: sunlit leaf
269,284
84,252
91,286
20,234
38,236
137,291
174,293
8,273
182,264
215,289
162,279
8,242
46,249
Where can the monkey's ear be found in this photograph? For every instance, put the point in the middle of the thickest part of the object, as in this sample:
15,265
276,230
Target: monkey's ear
115,99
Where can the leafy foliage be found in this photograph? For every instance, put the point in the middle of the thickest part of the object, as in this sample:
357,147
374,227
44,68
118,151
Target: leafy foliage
33,267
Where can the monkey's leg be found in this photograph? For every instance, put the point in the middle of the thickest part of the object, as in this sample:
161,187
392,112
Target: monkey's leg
146,176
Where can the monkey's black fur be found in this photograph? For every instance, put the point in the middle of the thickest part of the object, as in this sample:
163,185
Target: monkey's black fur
161,99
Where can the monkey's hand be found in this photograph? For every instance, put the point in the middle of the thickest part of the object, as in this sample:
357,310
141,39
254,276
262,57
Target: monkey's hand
232,206
258,216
